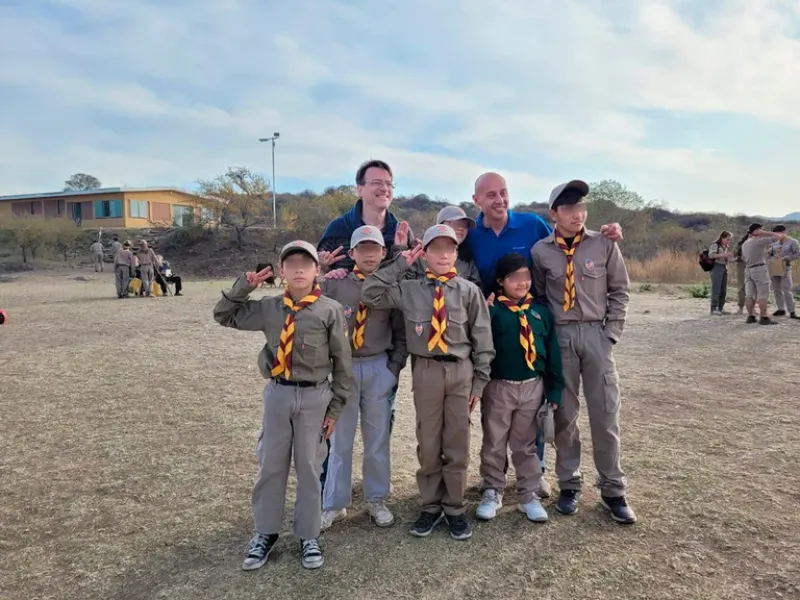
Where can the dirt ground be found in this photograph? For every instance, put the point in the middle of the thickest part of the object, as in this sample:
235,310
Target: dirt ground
127,435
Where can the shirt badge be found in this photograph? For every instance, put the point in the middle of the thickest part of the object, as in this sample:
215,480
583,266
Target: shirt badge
418,328
589,264
344,326
348,311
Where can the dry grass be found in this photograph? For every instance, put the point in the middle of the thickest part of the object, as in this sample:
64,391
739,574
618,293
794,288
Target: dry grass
671,267
126,460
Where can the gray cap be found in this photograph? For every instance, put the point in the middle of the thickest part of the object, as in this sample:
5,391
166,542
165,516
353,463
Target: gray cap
438,231
299,246
575,184
454,213
367,233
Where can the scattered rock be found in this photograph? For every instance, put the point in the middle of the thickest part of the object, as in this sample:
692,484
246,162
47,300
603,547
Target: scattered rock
83,278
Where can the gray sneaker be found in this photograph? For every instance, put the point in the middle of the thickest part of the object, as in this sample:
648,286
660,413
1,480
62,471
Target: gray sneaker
311,554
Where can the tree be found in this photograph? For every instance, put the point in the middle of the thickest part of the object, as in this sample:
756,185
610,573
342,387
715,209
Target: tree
239,199
80,182
615,193
26,232
612,202
66,238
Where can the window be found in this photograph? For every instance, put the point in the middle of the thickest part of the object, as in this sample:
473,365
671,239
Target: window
107,209
139,209
182,216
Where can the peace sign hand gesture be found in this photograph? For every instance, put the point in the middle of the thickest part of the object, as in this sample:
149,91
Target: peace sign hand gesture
326,259
411,256
401,235
256,279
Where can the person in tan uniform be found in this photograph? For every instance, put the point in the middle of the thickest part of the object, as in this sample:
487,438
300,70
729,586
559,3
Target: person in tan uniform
378,338
786,249
123,269
448,334
97,256
306,343
583,276
116,246
148,261
756,274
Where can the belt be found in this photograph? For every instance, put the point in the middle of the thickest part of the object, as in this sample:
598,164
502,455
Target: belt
758,265
449,358
300,384
519,382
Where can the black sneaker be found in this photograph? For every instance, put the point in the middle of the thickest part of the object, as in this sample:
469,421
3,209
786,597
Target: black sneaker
793,316
311,554
620,511
426,523
766,321
460,529
567,503
779,313
258,552
750,319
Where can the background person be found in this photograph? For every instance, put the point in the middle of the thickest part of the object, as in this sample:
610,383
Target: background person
756,275
720,253
786,249
97,256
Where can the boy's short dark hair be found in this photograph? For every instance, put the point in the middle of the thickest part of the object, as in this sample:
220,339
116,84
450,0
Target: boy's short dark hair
508,264
779,229
362,170
116,238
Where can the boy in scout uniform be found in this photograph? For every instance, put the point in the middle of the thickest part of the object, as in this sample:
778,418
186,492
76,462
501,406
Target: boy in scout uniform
123,269
786,249
583,276
449,337
147,265
97,256
378,339
756,274
306,342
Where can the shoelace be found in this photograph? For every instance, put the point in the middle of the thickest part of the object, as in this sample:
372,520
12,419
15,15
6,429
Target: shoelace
490,497
258,544
311,548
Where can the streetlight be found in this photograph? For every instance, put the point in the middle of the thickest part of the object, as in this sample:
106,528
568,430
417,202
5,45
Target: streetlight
272,139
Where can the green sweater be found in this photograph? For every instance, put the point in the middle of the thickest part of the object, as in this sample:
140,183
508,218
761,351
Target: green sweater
509,362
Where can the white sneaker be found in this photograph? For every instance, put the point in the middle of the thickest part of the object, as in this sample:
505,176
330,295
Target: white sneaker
534,511
491,502
382,516
329,517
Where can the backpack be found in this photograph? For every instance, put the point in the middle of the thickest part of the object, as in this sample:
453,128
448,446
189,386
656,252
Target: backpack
706,263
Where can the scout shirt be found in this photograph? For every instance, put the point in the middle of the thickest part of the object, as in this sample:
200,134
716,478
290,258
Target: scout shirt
754,251
147,257
384,330
320,346
468,334
124,257
509,363
464,268
715,249
116,247
601,281
97,248
788,250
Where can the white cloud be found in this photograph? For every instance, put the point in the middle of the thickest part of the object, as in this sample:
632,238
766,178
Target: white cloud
150,93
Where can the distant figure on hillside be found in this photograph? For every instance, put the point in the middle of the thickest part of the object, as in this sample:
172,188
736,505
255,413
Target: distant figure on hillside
786,249
756,275
97,256
720,253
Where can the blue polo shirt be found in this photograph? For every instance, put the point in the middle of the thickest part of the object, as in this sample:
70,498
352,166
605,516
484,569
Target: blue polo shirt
519,235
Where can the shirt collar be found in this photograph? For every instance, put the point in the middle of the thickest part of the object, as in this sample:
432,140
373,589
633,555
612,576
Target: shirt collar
512,223
388,225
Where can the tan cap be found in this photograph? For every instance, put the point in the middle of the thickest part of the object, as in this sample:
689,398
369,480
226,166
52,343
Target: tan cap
454,213
127,243
438,231
367,233
575,184
299,246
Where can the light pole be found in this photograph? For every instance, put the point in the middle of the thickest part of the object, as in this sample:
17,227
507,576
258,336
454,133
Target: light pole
272,139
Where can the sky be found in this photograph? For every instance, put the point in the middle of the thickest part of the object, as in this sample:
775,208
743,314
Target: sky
696,104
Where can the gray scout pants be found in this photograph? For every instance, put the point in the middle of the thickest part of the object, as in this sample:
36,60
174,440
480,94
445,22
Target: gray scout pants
441,403
122,274
719,286
373,386
782,286
588,354
98,262
291,425
147,279
509,421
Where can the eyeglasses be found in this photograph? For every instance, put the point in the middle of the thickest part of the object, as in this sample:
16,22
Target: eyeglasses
381,183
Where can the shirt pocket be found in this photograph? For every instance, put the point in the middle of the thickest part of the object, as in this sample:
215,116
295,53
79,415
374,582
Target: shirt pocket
418,323
457,331
313,349
594,282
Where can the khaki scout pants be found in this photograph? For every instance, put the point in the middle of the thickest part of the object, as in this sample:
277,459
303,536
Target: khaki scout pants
441,401
508,418
291,426
587,354
98,262
782,286
122,274
147,279
756,283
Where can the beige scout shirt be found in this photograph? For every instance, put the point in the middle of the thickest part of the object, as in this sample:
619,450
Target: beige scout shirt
116,247
97,248
321,347
754,251
123,257
384,330
601,281
147,257
716,253
468,334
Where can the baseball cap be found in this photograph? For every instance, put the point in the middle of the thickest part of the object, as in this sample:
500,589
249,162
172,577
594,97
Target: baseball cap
438,231
299,246
454,213
576,184
127,243
367,233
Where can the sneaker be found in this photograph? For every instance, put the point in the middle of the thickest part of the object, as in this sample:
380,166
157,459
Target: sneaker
460,529
750,319
426,523
620,511
793,316
723,313
779,313
378,512
258,551
766,321
311,554
534,511
329,517
544,488
567,503
490,503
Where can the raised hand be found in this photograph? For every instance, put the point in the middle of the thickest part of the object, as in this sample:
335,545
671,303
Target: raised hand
411,256
490,300
401,235
612,231
326,259
336,274
256,279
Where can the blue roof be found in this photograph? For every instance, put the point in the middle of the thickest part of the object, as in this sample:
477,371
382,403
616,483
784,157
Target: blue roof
111,190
